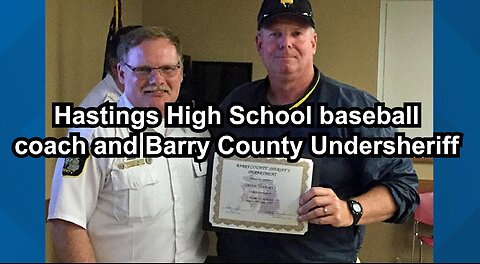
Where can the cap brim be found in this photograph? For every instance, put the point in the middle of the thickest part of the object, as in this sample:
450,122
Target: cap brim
307,19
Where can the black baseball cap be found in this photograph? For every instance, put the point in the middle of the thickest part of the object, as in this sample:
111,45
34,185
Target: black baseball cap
275,8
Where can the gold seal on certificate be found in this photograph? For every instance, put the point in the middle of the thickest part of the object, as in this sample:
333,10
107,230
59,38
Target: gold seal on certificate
259,194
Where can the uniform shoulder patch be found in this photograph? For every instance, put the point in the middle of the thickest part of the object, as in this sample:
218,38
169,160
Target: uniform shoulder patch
74,166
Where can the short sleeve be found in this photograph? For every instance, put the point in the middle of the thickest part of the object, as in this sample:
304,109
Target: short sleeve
75,187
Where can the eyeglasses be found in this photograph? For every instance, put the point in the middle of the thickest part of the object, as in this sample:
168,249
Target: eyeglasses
167,71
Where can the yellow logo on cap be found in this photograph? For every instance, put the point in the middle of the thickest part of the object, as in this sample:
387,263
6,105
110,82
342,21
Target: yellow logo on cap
286,3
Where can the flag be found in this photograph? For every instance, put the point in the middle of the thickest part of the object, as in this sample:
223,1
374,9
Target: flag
115,25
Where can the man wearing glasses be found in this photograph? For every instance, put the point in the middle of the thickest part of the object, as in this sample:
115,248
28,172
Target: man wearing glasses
133,209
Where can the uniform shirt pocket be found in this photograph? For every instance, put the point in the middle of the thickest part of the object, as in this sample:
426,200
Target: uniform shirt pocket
135,194
199,173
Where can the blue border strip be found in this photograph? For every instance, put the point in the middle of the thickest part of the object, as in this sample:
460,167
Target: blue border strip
456,98
22,69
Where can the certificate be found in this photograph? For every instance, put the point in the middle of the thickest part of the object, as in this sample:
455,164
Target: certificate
259,194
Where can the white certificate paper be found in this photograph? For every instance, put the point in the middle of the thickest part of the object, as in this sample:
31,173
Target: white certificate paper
259,194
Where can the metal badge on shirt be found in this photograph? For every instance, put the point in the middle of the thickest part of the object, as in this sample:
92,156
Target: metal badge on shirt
133,162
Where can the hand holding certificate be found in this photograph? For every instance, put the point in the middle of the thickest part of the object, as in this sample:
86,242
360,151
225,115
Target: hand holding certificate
259,194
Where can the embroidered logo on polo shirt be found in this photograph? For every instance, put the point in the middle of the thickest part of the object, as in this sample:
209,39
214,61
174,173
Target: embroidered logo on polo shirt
286,3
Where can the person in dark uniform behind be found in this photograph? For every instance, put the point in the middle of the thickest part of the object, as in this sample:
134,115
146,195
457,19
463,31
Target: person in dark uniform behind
109,89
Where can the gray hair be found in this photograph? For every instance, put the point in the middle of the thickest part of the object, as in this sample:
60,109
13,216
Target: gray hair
141,34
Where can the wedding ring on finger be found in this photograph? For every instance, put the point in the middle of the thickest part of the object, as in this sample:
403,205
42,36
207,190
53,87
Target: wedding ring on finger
325,210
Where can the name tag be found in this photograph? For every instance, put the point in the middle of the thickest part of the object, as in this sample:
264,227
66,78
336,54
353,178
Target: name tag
134,162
